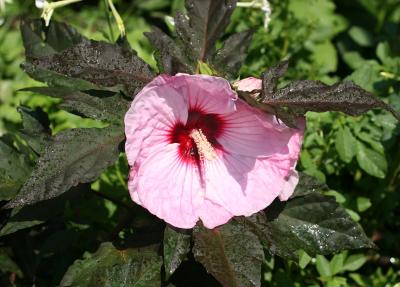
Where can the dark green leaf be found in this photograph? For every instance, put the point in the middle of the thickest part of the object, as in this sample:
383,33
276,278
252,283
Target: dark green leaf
231,253
371,161
176,247
354,262
308,184
100,63
53,79
7,264
108,106
304,259
14,169
15,226
346,144
313,222
323,266
40,40
36,129
230,57
363,203
72,157
336,263
361,36
32,215
112,267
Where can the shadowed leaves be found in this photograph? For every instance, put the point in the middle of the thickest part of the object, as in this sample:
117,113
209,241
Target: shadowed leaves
107,106
14,169
40,40
176,248
109,266
309,221
71,157
231,253
36,131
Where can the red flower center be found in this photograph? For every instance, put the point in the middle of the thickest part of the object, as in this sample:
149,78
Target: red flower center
210,125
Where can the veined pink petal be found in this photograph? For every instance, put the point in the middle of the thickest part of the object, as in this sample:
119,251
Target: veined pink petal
249,84
152,114
132,184
252,134
212,214
212,95
289,186
248,185
169,188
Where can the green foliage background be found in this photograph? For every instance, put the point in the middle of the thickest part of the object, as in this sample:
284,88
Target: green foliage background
359,158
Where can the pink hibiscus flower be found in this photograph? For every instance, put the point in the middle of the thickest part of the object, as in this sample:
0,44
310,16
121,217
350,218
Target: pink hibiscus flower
196,151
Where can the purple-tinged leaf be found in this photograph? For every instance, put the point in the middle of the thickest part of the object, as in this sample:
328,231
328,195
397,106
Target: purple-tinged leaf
100,63
176,248
109,266
207,21
308,221
111,107
73,156
231,253
171,56
36,128
302,96
271,77
15,167
230,57
40,40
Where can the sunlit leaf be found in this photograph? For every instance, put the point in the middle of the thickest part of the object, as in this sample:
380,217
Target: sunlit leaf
346,144
371,162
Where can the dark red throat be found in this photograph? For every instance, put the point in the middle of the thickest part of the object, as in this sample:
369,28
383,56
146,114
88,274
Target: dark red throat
210,124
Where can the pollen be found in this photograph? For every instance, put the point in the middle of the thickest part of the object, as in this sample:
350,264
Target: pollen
204,147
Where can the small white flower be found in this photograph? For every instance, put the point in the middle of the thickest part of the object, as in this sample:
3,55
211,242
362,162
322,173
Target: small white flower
48,8
264,5
3,4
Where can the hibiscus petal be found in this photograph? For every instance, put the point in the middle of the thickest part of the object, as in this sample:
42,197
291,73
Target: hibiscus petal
169,188
132,185
249,84
243,185
251,133
212,95
289,186
212,214
152,114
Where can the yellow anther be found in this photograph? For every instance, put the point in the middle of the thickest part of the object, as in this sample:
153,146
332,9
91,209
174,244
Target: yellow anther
204,147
